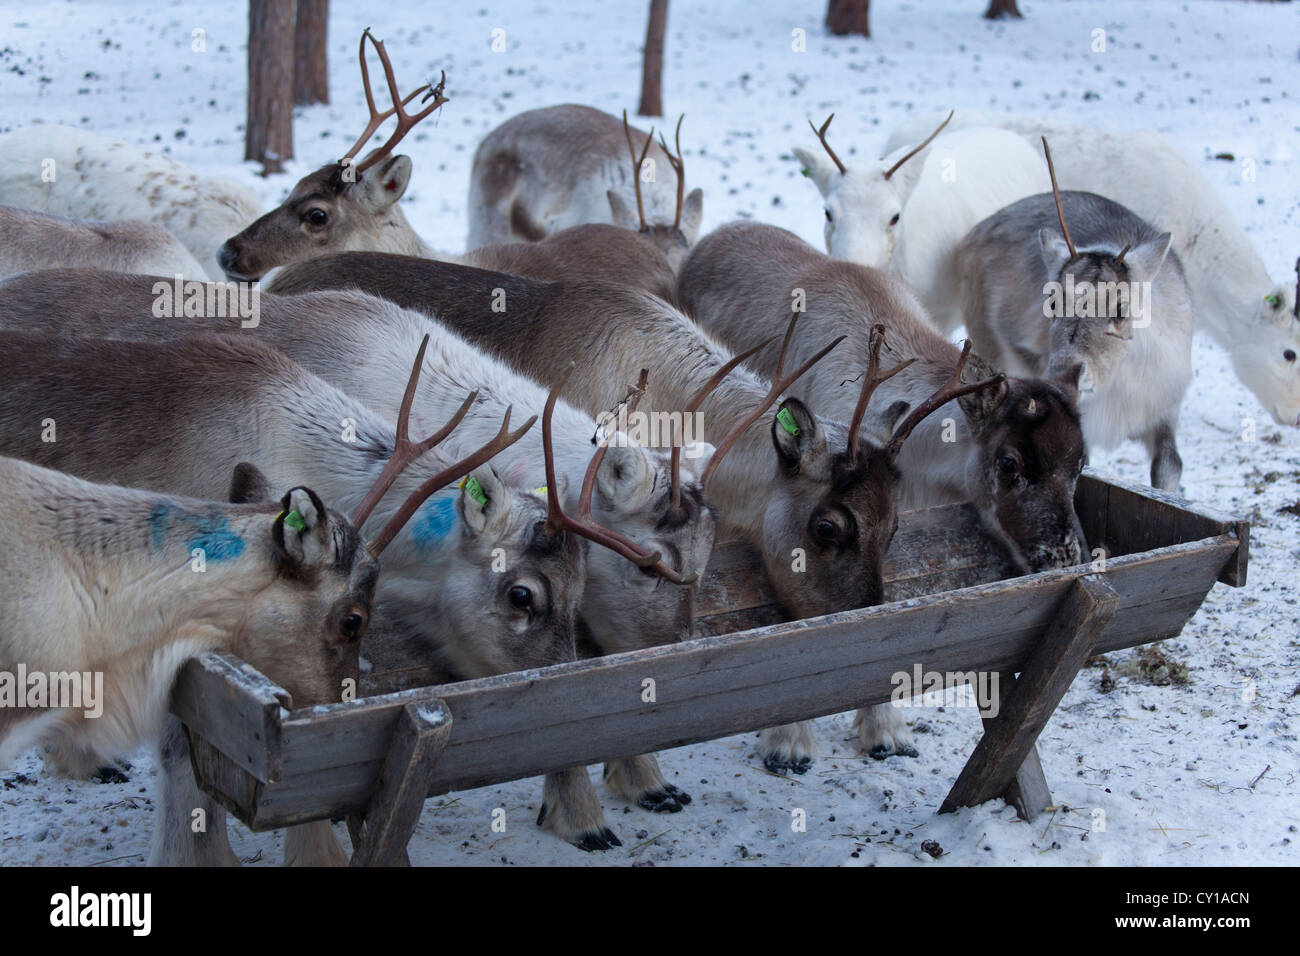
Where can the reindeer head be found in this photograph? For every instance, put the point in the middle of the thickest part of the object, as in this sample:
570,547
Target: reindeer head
1266,360
340,207
1029,453
864,207
1102,297
305,629
673,241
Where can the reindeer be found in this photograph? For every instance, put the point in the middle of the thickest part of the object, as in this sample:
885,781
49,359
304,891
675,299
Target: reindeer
1255,319
354,341
35,240
74,173
907,212
1014,449
822,518
548,169
342,205
1108,296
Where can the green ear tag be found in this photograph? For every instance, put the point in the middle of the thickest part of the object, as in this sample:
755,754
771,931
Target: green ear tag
469,484
787,421
805,174
294,520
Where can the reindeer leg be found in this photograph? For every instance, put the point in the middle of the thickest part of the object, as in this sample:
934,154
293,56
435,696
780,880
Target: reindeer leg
1166,463
638,780
313,844
882,731
788,747
571,810
174,841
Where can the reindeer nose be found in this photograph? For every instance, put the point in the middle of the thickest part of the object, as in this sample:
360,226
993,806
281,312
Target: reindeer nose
226,258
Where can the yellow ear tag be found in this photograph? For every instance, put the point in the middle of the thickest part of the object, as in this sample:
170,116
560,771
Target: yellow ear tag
469,484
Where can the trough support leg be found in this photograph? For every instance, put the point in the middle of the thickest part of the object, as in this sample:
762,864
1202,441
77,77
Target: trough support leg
379,836
1005,761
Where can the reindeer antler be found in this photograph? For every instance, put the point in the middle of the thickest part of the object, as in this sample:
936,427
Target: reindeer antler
485,453
679,167
946,393
405,121
1060,210
779,385
582,523
821,135
406,451
873,379
920,146
693,405
636,166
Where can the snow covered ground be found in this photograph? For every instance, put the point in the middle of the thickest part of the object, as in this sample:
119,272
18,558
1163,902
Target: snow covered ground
1203,773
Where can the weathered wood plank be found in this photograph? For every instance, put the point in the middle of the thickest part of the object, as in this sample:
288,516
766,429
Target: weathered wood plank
523,724
380,834
236,706
1028,791
1046,675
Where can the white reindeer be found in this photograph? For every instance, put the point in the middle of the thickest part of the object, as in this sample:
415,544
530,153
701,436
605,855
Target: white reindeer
78,174
35,240
1254,318
907,212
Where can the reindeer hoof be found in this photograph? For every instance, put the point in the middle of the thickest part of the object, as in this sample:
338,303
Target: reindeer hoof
782,765
667,799
881,751
110,774
602,839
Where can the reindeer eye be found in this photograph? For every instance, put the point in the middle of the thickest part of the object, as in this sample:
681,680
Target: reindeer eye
894,221
1007,465
521,597
352,625
825,529
1289,355
318,217
828,216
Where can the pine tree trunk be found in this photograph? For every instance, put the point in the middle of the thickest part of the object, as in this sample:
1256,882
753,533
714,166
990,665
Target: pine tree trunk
311,80
268,136
999,9
848,16
652,64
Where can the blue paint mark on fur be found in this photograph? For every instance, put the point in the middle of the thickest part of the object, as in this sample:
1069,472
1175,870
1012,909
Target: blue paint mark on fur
434,522
211,532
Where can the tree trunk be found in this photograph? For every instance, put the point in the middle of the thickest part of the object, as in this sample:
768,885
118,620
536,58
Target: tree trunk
652,64
268,136
848,16
311,79
999,9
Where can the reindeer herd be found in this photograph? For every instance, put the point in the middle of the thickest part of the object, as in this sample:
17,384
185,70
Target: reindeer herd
190,482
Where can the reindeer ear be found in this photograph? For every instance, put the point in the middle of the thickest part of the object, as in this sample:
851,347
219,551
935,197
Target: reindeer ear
384,184
248,485
1054,251
692,215
1149,256
624,480
1068,381
795,435
892,415
818,167
485,502
979,407
301,531
696,456
625,216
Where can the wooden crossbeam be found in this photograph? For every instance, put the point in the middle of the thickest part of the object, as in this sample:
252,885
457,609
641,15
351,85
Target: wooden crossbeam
379,836
999,759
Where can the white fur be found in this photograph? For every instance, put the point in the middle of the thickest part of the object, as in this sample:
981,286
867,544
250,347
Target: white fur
98,178
1229,283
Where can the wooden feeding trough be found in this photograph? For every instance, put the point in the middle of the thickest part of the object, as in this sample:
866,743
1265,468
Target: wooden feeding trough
952,608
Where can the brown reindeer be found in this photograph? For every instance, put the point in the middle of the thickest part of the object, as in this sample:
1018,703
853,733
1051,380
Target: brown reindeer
342,205
1014,450
820,509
